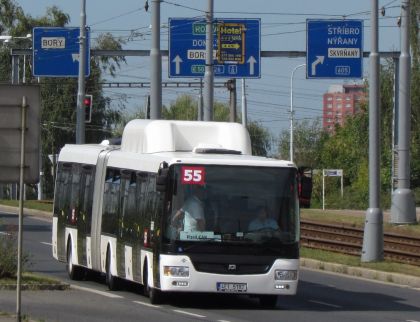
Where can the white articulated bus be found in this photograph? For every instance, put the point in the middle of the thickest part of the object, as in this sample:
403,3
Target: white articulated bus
121,210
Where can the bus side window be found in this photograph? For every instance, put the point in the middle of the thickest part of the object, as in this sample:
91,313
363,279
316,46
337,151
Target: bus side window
111,201
128,206
86,195
62,190
75,195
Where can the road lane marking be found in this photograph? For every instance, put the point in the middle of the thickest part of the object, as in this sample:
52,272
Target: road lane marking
326,304
412,321
45,243
107,294
189,313
223,321
146,304
4,233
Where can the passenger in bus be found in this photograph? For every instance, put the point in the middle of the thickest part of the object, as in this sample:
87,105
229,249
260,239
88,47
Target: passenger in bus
262,221
192,212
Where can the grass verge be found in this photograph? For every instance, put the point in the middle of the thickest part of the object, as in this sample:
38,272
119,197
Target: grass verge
43,205
337,258
355,218
31,281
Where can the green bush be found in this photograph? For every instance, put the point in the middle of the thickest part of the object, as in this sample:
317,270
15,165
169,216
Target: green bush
9,255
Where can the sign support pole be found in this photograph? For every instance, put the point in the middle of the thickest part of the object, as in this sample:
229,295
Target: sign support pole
243,101
21,194
156,63
373,240
209,72
80,113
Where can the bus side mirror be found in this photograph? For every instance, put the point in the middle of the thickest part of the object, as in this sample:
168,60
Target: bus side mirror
304,191
162,177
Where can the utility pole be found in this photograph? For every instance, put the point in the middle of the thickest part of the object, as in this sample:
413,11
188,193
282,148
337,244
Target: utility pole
244,107
80,112
209,73
403,209
291,110
373,240
231,85
200,102
156,64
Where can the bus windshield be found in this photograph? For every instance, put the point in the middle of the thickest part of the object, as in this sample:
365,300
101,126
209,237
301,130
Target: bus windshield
232,204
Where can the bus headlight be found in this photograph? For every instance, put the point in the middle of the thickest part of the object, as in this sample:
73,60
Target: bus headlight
178,271
285,275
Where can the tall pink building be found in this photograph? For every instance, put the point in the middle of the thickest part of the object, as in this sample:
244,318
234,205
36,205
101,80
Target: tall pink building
340,102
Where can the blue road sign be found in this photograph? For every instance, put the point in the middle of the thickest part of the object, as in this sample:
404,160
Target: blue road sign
334,48
239,57
56,52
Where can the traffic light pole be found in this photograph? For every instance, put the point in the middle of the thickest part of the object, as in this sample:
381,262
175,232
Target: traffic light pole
80,113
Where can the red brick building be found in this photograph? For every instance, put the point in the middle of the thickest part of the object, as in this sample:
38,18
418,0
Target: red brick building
339,102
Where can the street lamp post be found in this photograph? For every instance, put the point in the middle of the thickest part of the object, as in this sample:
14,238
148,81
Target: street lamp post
291,110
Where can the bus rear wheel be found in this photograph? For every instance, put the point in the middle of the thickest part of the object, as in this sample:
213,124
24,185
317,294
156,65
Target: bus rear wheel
75,272
111,280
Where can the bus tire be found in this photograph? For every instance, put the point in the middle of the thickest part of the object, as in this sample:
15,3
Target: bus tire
111,280
155,295
268,301
75,272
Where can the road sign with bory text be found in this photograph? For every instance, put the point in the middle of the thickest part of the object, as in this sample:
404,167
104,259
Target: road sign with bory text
334,48
56,52
236,54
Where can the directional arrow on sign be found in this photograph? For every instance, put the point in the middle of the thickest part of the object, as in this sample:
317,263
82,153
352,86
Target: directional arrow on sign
251,61
319,60
177,60
75,57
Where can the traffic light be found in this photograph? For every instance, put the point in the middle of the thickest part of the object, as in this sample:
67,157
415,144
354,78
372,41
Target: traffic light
87,105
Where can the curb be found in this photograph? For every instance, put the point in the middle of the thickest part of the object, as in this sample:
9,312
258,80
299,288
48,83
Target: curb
370,274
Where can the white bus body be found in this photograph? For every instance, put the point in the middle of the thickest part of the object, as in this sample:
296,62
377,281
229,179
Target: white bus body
114,205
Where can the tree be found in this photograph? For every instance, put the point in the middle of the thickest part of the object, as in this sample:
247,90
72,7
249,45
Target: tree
308,138
58,95
260,139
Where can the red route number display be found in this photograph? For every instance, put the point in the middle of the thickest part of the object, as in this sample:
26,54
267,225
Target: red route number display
193,175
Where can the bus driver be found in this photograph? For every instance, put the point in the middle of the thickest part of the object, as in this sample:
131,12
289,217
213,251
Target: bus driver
192,212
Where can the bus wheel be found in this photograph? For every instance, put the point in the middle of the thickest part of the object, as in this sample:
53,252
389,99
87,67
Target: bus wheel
111,280
75,272
155,295
268,301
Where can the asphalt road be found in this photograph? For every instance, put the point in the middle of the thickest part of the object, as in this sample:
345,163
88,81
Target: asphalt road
321,296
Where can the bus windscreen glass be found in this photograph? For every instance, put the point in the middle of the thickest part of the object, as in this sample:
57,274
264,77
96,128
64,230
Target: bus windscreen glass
232,204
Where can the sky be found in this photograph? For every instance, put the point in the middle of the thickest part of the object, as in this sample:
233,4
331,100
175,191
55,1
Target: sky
283,28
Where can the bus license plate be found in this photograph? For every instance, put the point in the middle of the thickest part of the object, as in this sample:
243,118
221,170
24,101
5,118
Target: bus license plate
231,287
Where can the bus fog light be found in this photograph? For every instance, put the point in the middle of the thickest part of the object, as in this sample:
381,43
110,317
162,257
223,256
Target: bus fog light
285,275
178,271
282,286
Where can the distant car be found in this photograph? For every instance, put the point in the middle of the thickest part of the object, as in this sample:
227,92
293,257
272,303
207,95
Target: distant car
305,186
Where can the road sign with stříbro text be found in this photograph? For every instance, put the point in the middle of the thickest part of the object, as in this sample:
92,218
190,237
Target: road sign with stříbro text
236,54
334,48
56,52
